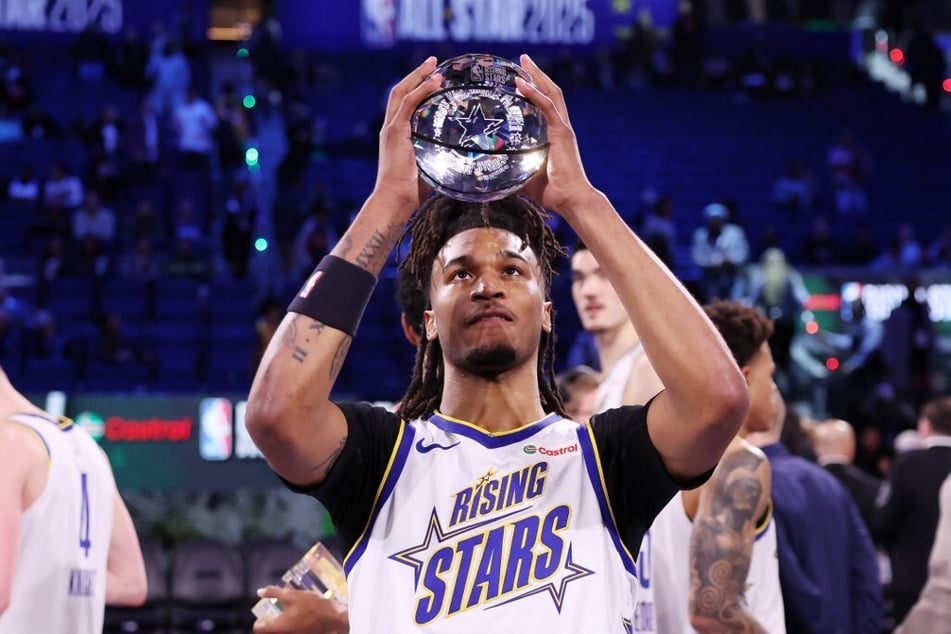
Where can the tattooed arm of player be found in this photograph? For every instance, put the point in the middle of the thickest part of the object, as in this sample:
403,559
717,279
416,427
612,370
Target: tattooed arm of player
289,413
721,546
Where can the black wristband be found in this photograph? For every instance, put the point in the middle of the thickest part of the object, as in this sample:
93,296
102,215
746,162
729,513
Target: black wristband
335,294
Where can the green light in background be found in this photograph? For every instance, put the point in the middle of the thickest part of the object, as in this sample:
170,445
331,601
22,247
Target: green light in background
260,245
251,156
249,101
242,52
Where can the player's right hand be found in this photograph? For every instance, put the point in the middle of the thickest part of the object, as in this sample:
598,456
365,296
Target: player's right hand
304,612
397,176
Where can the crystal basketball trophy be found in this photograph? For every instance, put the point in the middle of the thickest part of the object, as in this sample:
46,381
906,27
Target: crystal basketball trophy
317,571
477,138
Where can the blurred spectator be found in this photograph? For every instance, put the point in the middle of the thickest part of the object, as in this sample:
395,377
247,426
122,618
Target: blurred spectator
908,509
909,249
849,167
53,264
860,248
91,53
17,82
94,229
659,230
62,188
104,136
240,213
130,59
827,564
11,130
145,224
194,122
779,292
144,142
24,187
142,263
634,58
926,63
315,238
794,190
43,340
170,75
288,213
299,127
11,340
908,347
835,447
719,248
113,347
687,42
578,388
189,250
38,124
232,132
820,247
939,251
932,612
269,316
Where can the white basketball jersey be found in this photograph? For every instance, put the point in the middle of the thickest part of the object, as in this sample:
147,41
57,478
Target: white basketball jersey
481,532
610,395
60,580
614,381
762,597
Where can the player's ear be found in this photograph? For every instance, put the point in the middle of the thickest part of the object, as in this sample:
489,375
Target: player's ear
429,325
546,318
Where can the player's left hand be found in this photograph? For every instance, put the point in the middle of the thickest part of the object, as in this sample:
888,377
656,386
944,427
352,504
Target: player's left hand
304,612
562,181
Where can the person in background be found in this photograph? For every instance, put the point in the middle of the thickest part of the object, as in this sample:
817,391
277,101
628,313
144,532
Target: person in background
907,515
578,388
728,577
835,449
719,249
827,562
931,614
67,542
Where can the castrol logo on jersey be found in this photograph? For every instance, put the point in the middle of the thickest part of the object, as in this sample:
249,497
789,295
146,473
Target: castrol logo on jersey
548,451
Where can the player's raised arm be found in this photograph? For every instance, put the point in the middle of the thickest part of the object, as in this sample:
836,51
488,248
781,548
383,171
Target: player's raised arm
705,399
289,414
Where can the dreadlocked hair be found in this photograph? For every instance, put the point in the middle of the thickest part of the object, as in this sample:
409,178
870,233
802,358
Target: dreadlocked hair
437,220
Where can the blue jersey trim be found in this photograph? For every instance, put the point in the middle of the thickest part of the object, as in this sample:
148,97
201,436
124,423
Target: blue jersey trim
492,440
394,469
593,466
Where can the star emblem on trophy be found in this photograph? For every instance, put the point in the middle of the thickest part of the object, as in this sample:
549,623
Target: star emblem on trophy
480,130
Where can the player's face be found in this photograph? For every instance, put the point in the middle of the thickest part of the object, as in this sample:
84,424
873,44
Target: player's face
488,301
598,306
759,375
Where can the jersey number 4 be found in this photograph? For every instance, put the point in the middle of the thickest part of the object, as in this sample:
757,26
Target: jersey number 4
84,542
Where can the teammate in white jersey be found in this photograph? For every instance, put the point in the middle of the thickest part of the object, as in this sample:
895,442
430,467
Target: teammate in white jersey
67,543
729,577
482,508
627,379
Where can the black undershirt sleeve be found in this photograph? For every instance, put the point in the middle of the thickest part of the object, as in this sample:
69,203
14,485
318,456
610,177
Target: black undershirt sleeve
637,482
351,485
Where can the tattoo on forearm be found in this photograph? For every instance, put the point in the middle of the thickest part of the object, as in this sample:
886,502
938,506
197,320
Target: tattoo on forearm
318,326
339,356
373,246
299,354
722,542
289,334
